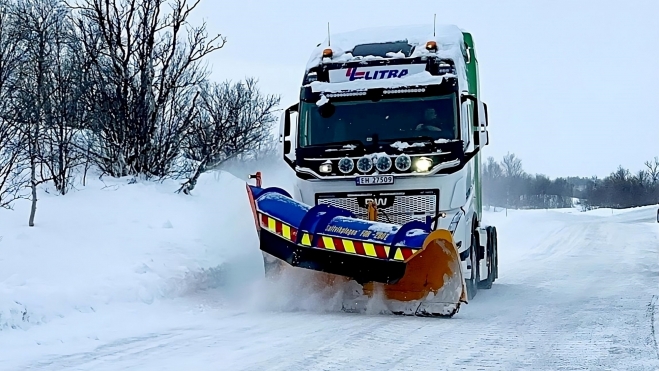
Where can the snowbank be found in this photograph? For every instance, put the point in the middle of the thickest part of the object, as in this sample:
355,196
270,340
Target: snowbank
114,242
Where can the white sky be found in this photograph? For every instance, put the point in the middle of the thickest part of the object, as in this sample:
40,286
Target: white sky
572,85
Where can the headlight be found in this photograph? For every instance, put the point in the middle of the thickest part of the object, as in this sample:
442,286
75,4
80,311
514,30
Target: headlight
403,162
383,163
346,165
364,164
326,167
423,164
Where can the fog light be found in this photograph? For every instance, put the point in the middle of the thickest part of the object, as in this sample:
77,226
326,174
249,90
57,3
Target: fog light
403,162
326,167
423,164
383,163
346,165
364,164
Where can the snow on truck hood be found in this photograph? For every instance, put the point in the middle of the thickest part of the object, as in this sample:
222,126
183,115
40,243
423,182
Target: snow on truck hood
450,45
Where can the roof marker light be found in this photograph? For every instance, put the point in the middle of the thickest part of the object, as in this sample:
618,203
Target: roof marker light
327,53
431,45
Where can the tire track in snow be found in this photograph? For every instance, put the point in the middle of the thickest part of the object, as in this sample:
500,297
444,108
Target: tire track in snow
115,351
575,300
653,319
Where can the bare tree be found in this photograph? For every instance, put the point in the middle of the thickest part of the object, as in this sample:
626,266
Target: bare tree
66,113
512,166
37,23
13,177
12,165
653,170
269,148
233,119
146,70
493,183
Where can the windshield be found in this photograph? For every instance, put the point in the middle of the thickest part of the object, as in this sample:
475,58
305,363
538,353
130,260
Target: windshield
386,120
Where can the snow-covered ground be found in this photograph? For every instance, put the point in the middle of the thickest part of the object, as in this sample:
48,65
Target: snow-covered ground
120,276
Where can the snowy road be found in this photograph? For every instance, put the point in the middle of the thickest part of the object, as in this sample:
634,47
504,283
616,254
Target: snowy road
576,292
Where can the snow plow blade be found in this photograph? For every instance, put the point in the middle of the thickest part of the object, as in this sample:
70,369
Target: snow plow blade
416,270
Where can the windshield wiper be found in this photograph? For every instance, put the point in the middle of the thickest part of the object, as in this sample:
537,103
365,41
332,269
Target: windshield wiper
355,142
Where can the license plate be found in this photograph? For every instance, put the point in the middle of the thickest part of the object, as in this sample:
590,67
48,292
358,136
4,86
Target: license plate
374,179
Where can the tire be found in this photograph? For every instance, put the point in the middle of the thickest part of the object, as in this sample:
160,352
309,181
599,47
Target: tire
495,244
489,255
472,282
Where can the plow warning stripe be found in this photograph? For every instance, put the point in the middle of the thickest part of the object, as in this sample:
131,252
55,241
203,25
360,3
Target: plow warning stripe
286,231
379,250
279,228
359,248
407,253
334,243
328,243
349,246
338,244
370,250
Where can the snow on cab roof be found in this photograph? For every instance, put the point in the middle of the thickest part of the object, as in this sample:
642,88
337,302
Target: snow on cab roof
449,39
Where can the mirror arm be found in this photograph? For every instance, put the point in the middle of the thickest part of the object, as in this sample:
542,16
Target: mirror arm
290,162
470,155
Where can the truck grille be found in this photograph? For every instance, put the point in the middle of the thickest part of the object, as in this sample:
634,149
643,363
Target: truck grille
397,207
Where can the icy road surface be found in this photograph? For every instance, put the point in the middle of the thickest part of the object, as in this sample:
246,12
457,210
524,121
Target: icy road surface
577,291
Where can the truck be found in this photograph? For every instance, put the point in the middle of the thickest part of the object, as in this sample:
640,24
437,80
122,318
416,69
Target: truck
385,142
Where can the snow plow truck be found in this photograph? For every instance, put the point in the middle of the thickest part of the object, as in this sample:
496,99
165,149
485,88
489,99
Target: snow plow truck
385,142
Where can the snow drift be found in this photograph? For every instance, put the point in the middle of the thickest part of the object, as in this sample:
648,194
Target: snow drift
116,242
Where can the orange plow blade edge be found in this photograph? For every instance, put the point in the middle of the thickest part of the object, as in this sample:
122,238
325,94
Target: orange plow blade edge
433,283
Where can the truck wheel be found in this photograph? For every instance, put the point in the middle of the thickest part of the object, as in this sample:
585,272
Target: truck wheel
495,244
472,282
489,255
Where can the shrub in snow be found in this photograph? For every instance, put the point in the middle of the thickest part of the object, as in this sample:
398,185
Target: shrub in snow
233,119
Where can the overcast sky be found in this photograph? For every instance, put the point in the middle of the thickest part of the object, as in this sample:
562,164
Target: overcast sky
572,86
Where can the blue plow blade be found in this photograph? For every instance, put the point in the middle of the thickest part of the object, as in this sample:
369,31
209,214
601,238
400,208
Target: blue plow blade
333,240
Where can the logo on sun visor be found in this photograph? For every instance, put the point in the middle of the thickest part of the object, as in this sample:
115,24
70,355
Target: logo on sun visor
353,74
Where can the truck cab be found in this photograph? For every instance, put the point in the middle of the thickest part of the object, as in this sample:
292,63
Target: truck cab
395,121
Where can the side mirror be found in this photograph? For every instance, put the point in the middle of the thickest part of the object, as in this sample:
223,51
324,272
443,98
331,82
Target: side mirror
287,119
482,124
487,119
288,134
480,120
